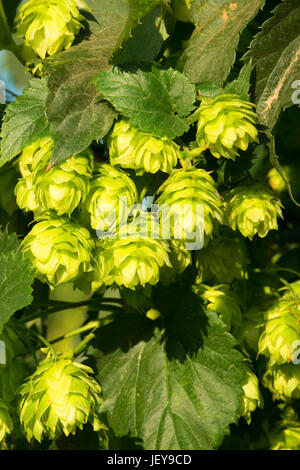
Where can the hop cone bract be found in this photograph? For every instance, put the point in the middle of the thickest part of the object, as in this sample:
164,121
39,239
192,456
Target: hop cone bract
58,398
252,396
49,26
226,124
283,380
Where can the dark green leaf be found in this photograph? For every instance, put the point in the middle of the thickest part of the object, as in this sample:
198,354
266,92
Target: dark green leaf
276,57
156,101
24,120
211,51
15,278
241,85
180,391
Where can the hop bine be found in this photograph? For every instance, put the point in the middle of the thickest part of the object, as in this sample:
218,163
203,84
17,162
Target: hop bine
49,26
130,147
226,125
252,209
59,398
60,250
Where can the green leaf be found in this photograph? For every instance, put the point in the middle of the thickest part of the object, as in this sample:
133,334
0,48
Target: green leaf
16,278
156,101
276,57
208,90
24,120
211,51
241,85
177,391
151,32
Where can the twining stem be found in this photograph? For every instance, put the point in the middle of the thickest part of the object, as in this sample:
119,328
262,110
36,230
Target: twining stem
92,325
71,305
12,46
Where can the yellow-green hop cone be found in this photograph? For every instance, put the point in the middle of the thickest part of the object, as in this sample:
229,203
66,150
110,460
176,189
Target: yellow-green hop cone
292,291
138,299
223,259
286,437
226,125
180,259
49,26
131,260
252,397
60,250
283,381
59,398
190,201
222,301
6,424
181,9
281,336
252,209
130,147
61,187
111,196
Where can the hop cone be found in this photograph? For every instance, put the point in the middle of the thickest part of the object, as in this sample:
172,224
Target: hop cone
252,209
60,250
226,124
251,329
286,437
283,381
180,259
112,193
49,26
58,398
281,335
61,188
292,291
6,424
133,259
182,193
132,148
252,396
138,299
223,259
221,300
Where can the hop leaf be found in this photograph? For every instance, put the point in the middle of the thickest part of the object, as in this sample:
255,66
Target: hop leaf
252,209
59,398
6,425
61,188
226,124
281,334
104,205
60,250
183,193
252,396
283,380
224,259
181,9
222,301
133,148
49,26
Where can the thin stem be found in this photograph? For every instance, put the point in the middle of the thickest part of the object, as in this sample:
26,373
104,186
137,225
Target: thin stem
92,325
12,46
41,339
60,308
